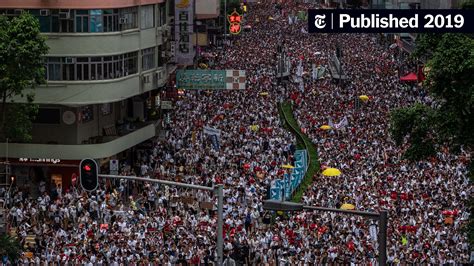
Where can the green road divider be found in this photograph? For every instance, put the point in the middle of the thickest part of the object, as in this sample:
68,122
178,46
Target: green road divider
303,142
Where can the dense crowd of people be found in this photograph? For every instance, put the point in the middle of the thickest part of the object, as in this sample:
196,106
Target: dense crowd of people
125,223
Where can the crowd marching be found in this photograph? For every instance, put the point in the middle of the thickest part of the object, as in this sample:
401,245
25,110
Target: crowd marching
163,225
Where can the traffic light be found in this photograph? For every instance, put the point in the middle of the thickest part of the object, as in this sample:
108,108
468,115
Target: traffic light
88,171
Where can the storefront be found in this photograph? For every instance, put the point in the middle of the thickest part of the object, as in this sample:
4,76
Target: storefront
28,173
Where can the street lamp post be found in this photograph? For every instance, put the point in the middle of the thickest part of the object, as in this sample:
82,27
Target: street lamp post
381,216
218,189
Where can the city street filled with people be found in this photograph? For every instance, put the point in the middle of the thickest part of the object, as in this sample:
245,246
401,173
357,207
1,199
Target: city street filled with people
131,223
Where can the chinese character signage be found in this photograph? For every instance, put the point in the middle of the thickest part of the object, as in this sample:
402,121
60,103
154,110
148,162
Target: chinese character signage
184,12
201,79
204,79
234,19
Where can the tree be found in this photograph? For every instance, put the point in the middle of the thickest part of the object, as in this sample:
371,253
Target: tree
9,247
450,120
21,67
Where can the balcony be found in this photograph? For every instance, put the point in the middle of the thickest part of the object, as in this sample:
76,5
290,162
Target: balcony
105,146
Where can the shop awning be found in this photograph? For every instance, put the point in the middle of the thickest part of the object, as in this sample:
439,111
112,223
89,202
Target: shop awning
410,77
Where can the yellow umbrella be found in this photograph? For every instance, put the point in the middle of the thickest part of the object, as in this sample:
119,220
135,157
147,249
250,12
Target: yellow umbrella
264,93
325,127
347,206
287,166
364,98
254,128
270,18
331,172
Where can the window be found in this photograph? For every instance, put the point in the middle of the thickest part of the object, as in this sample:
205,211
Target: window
93,68
96,20
53,66
161,59
82,21
111,20
48,116
147,18
130,63
148,58
117,69
128,18
65,19
68,68
162,14
82,68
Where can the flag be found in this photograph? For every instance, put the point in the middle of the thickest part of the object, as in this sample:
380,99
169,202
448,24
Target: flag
404,240
301,86
299,69
320,72
330,123
343,123
211,131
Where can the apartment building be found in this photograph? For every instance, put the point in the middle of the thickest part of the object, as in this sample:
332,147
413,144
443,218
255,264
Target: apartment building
107,63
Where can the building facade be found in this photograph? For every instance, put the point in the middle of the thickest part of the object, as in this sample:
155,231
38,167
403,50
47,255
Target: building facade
107,63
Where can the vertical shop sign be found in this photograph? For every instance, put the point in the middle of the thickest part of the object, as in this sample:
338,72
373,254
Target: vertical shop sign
184,16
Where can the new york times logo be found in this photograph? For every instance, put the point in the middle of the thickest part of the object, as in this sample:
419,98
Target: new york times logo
390,21
319,21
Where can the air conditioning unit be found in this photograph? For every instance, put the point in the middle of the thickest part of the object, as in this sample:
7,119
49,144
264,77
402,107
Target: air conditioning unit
65,15
70,60
18,11
44,12
123,20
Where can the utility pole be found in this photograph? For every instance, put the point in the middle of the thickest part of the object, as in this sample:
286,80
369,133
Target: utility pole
225,30
220,224
218,190
381,217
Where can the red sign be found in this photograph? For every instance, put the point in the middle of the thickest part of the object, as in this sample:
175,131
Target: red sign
234,19
234,28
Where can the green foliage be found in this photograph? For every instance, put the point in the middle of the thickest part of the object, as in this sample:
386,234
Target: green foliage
467,4
450,59
450,81
19,119
303,143
10,247
416,122
21,67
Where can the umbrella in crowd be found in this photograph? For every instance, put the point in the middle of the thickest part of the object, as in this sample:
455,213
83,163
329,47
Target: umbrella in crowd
347,206
364,98
332,172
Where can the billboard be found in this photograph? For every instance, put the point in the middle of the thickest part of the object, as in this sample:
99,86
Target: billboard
205,79
184,19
